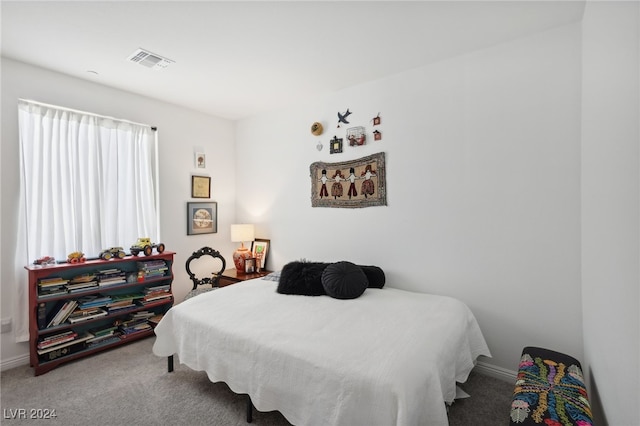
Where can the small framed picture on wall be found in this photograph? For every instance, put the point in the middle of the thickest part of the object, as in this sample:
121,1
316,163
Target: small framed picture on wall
201,160
202,218
200,187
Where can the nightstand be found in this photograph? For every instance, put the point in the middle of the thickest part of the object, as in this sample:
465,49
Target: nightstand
231,276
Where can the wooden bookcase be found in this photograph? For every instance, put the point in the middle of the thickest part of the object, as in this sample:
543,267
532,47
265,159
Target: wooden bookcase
43,308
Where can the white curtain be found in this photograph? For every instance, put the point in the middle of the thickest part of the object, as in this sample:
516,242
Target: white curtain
87,183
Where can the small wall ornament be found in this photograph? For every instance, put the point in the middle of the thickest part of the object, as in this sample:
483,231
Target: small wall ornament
356,136
317,129
342,117
336,145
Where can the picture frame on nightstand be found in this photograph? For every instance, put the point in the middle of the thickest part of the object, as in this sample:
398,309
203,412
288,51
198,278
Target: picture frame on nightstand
260,250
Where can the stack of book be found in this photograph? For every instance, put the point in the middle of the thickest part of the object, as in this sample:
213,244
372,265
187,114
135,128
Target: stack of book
81,283
152,294
120,302
135,324
110,277
152,268
56,339
57,345
93,301
103,335
51,286
60,313
154,320
80,315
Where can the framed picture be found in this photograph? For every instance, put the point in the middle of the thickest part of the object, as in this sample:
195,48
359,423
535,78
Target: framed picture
200,187
336,145
201,160
202,218
260,250
249,266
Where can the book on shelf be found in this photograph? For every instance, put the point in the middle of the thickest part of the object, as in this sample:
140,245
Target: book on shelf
80,286
86,314
56,339
61,312
112,282
157,288
52,291
155,293
142,314
83,278
137,322
78,339
154,320
117,298
93,301
152,268
120,309
106,340
103,330
42,315
144,326
51,281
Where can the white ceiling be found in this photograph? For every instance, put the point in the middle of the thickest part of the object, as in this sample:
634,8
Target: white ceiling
237,59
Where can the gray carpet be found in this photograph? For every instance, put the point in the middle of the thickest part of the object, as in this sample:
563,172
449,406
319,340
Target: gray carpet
130,386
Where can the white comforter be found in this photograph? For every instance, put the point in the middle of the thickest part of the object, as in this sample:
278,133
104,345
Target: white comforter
389,357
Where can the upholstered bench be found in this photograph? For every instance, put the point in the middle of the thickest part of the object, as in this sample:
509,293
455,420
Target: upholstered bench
549,390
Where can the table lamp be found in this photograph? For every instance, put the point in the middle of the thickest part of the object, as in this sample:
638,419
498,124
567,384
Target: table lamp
239,234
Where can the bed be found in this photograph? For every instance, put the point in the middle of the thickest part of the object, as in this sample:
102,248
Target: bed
388,357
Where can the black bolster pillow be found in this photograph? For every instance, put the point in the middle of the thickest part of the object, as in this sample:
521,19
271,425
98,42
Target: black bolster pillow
375,275
344,280
305,278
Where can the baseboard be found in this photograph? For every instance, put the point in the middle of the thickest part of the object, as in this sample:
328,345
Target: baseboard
496,372
17,361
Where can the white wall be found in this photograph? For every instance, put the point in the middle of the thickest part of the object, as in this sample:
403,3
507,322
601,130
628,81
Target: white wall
179,131
610,208
483,184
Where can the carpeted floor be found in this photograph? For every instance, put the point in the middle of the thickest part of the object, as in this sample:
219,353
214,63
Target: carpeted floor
130,386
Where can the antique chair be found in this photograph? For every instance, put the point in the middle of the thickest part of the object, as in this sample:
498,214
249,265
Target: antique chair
205,267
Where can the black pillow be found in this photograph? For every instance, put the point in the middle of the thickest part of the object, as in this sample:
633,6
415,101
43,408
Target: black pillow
344,280
301,277
375,276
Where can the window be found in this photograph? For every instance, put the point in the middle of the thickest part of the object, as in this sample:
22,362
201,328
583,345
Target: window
87,183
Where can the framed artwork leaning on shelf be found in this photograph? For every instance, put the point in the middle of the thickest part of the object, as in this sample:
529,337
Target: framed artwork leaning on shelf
202,218
260,249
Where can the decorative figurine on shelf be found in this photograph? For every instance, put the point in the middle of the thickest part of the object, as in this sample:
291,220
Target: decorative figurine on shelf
146,246
76,257
45,261
111,253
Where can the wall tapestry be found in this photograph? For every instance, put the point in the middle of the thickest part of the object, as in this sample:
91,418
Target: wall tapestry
349,184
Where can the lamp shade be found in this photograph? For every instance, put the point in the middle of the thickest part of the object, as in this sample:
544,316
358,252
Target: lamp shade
242,232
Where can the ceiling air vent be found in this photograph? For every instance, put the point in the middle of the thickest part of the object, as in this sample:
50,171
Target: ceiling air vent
149,60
